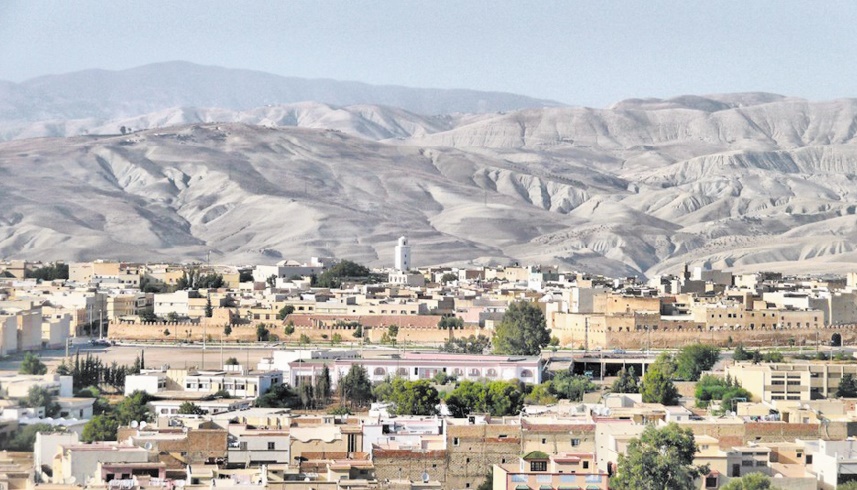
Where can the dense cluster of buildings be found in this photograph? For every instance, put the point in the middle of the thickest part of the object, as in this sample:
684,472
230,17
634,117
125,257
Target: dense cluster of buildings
792,429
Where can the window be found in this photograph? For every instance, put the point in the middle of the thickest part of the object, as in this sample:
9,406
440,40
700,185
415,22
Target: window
747,462
538,465
455,441
586,465
270,446
808,458
379,371
710,482
492,373
526,373
761,463
575,442
242,445
474,372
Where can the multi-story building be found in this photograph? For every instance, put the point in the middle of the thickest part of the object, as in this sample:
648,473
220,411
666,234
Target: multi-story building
790,381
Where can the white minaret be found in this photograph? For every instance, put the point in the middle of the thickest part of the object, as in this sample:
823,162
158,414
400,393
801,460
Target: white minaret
403,255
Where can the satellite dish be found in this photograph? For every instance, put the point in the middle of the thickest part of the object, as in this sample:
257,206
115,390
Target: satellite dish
134,424
425,477
148,446
143,424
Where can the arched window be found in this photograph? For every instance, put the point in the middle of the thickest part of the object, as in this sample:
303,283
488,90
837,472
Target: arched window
402,371
379,371
526,373
474,372
458,371
492,373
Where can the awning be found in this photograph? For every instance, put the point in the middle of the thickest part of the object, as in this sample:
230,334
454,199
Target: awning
563,487
593,487
545,487
522,487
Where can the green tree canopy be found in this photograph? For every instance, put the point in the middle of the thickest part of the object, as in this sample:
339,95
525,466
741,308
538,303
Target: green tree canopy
410,397
626,382
39,397
25,438
285,311
498,398
32,365
661,458
190,408
753,481
522,332
570,386
355,387
279,396
334,275
692,360
322,385
133,408
473,344
100,428
193,279
657,387
847,387
48,272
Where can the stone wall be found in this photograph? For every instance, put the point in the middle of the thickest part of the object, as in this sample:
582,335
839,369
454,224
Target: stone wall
675,337
182,331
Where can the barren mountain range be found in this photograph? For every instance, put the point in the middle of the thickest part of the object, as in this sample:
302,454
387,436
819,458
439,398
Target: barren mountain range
743,181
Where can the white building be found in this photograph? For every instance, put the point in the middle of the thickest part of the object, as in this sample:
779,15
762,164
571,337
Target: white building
403,255
258,446
150,382
243,385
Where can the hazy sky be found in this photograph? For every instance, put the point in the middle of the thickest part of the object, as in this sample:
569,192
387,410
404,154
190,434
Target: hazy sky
583,53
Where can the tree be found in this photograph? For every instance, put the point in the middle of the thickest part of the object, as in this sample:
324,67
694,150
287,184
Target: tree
692,360
227,330
38,397
657,385
752,481
522,332
193,279
304,339
772,356
356,387
322,385
333,276
190,408
209,309
279,396
32,365
409,397
100,428
847,387
358,332
123,129
540,395
710,388
305,394
498,398
741,354
451,322
448,277
49,272
661,458
133,408
473,344
25,438
627,382
570,386
285,311
262,332
289,329
232,361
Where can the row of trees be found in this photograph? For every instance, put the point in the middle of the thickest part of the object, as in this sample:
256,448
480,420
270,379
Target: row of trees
91,371
48,272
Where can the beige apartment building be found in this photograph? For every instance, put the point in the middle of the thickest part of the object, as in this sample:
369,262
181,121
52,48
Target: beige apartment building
781,381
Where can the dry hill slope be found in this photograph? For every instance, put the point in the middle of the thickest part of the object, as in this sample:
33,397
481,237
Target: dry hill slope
747,181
